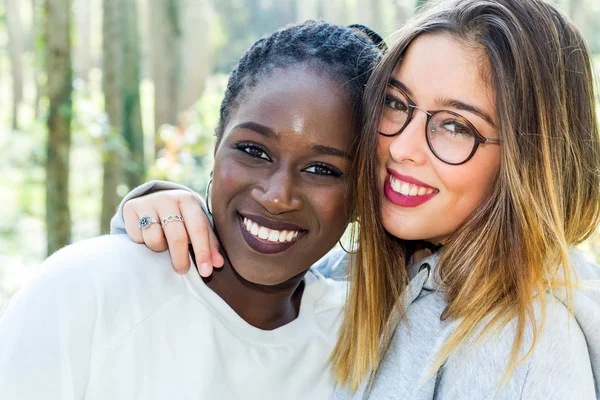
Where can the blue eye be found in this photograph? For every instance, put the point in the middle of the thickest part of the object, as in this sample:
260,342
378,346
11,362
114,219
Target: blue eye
323,170
253,150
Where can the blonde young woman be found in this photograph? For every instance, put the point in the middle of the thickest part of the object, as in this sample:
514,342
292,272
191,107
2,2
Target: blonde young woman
466,284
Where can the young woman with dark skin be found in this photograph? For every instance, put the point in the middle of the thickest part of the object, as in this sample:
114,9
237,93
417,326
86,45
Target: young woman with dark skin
478,174
98,324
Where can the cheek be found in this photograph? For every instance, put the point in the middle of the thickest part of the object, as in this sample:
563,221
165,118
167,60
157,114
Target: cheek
228,180
331,206
470,184
383,146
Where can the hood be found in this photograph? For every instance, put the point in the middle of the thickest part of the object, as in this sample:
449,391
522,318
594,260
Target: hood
585,302
586,308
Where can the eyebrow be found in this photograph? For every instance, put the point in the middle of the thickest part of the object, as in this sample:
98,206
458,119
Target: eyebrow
258,128
450,103
270,133
330,151
397,84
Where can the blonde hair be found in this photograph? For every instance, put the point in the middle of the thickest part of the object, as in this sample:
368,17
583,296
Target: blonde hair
545,197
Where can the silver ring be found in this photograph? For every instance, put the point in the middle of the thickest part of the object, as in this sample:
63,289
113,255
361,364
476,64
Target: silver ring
146,221
171,218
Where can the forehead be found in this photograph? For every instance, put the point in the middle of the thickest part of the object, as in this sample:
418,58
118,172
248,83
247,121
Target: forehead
438,65
299,101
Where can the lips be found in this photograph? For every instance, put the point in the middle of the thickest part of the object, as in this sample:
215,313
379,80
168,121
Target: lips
267,236
406,191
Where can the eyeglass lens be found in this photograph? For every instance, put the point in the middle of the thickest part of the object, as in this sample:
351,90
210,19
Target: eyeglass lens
449,136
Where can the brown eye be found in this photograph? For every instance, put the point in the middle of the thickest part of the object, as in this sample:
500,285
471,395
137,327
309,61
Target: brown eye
323,170
395,104
456,128
253,151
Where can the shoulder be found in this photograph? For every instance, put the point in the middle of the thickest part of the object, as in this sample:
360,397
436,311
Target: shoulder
105,260
107,272
87,297
327,293
334,264
558,366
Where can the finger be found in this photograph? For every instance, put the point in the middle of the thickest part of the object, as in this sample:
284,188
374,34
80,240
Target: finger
217,258
177,240
153,235
199,230
132,221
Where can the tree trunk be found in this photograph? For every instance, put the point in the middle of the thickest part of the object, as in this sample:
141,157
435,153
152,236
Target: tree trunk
37,12
59,86
129,71
111,160
178,25
111,177
196,60
83,44
14,26
167,36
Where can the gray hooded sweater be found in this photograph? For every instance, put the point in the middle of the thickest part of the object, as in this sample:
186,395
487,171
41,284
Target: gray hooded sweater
564,364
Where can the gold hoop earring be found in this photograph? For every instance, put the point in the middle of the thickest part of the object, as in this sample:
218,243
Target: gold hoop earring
207,194
343,248
351,233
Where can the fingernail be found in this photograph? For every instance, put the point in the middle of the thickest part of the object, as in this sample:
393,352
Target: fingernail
205,269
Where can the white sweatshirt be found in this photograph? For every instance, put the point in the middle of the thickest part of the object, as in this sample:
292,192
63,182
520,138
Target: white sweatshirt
109,319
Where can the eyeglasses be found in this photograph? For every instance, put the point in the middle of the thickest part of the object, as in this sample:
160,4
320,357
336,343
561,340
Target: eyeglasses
450,136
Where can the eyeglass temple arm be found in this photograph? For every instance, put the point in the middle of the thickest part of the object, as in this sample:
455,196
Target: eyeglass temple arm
493,140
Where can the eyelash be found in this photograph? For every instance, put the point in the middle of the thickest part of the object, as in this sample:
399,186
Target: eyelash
244,147
247,148
333,172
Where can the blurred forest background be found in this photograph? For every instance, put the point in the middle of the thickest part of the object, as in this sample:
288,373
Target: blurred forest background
98,96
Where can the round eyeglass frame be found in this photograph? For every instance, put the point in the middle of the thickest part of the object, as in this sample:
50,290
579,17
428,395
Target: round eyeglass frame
479,138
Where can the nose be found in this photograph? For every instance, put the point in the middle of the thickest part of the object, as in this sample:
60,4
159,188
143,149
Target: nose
411,145
278,193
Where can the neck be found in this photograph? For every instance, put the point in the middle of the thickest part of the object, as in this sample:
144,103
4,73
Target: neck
264,307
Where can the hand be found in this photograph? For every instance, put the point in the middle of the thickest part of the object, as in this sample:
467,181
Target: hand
176,235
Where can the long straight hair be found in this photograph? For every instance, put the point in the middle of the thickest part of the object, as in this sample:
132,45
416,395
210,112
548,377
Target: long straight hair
545,196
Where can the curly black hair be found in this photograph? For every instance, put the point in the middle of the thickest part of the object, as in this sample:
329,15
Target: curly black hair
347,54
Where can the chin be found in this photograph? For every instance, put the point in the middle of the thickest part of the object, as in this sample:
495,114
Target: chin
265,274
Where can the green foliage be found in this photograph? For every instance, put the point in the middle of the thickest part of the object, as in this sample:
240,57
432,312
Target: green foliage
187,155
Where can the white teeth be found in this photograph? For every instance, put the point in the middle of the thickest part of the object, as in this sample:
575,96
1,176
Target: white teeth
263,233
270,235
405,189
282,236
408,189
273,236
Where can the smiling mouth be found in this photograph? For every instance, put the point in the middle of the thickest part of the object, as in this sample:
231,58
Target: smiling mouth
266,240
407,194
408,189
268,235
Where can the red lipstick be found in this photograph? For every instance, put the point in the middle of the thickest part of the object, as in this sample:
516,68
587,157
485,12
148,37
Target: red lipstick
404,200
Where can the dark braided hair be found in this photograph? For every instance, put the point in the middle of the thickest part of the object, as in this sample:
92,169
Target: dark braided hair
347,54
